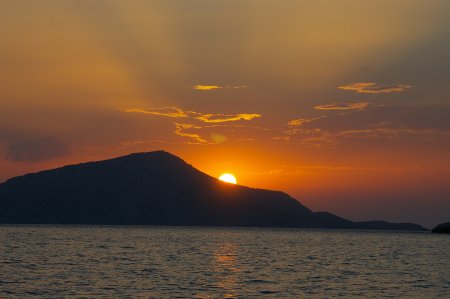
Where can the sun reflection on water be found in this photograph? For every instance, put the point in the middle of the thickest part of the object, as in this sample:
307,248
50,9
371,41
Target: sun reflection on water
226,269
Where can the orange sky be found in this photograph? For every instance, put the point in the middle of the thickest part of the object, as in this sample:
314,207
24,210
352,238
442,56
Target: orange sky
345,105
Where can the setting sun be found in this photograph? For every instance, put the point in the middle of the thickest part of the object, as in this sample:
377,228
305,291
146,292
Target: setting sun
228,178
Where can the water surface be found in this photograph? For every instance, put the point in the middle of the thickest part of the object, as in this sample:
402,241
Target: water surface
162,262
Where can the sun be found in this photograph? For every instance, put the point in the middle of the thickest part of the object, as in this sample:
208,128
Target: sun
228,177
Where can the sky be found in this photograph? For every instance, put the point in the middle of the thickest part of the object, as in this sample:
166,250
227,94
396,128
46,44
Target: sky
344,105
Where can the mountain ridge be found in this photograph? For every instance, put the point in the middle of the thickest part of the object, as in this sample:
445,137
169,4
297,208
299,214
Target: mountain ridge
155,188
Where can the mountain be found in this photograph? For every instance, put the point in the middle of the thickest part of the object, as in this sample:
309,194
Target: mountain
443,228
155,188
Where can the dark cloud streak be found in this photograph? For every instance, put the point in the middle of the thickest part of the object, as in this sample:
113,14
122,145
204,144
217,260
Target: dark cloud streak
35,150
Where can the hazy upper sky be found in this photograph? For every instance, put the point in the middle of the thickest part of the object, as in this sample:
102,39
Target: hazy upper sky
345,105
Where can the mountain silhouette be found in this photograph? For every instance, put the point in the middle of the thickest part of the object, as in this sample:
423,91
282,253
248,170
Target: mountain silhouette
155,188
443,228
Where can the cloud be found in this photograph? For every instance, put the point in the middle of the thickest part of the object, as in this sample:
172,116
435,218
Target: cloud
220,118
371,87
386,123
35,150
185,129
206,87
217,133
181,128
343,106
391,133
301,121
174,112
420,117
314,138
312,169
298,122
212,87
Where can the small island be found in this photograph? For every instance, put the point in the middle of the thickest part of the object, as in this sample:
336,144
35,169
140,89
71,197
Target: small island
443,228
156,188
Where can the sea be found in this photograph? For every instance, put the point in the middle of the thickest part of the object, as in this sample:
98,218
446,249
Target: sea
198,262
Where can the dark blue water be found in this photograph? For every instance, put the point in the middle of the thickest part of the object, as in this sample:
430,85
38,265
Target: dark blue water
161,262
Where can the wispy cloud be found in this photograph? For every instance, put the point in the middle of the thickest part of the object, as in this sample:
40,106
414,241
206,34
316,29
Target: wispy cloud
343,106
301,121
313,169
220,118
296,132
192,130
212,87
206,87
371,87
385,123
180,129
216,133
393,133
174,112
298,122
314,138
